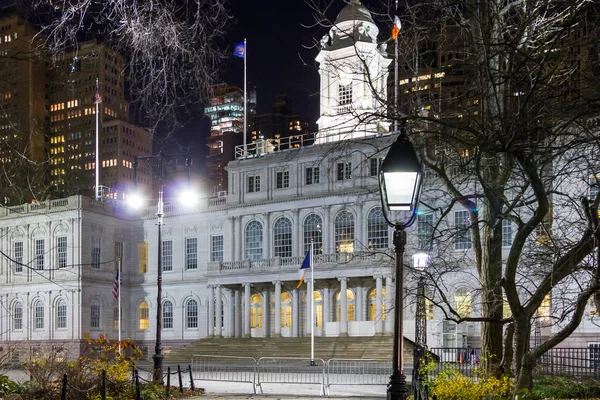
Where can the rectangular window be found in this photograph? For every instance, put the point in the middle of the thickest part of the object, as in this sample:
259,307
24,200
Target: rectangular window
167,255
18,256
96,251
61,316
254,183
462,241
424,230
118,254
506,233
143,257
345,94
312,175
374,166
191,253
61,251
344,170
39,253
283,179
216,248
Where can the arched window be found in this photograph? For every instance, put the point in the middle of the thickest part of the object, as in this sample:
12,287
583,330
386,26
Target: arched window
18,316
286,310
38,314
344,232
61,314
463,303
313,232
377,230
191,311
167,315
95,315
350,301
282,237
254,240
318,299
144,318
373,316
256,311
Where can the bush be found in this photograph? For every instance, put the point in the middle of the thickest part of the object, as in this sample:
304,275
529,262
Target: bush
452,385
566,388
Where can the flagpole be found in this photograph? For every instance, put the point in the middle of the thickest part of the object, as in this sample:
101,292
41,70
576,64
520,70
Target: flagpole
312,306
245,100
97,142
119,301
396,74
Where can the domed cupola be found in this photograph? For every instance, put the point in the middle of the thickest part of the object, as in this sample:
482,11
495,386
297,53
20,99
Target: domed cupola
353,70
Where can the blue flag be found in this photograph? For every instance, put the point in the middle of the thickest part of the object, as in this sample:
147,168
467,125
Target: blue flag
239,50
303,268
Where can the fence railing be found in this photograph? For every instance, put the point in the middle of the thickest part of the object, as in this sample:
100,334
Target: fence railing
292,371
583,362
462,359
225,369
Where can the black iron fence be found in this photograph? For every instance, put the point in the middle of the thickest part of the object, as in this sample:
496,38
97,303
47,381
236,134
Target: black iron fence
583,362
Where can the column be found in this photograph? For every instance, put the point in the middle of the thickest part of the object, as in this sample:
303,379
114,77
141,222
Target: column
237,304
326,231
219,312
389,315
359,236
267,234
297,249
211,310
326,308
295,313
277,311
266,314
378,305
343,307
239,233
246,310
359,302
229,326
232,241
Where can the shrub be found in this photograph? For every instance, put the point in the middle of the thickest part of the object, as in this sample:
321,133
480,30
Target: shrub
452,385
566,388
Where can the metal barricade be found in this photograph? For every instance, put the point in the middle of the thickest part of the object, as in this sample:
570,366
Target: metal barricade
225,369
346,371
286,370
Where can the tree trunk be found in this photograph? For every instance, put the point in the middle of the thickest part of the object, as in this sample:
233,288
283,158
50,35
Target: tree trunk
491,292
523,360
508,356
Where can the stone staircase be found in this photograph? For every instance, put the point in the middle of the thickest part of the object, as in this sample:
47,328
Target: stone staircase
362,347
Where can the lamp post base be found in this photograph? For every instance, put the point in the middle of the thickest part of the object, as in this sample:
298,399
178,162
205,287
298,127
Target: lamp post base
157,375
397,387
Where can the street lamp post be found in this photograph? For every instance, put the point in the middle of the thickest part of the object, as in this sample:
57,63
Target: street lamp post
400,186
420,263
160,161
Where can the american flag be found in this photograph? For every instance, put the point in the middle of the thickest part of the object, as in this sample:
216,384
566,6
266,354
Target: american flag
97,98
116,287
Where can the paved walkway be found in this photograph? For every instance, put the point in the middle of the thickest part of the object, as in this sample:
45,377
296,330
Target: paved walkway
277,397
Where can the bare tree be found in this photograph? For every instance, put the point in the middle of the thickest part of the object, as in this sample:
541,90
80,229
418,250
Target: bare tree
171,49
503,100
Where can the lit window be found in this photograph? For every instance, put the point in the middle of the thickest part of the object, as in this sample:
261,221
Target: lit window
545,309
350,303
344,232
256,311
462,303
373,315
377,230
144,318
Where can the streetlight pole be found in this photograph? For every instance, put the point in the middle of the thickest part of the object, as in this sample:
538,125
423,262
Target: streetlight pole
420,263
397,385
160,161
400,177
